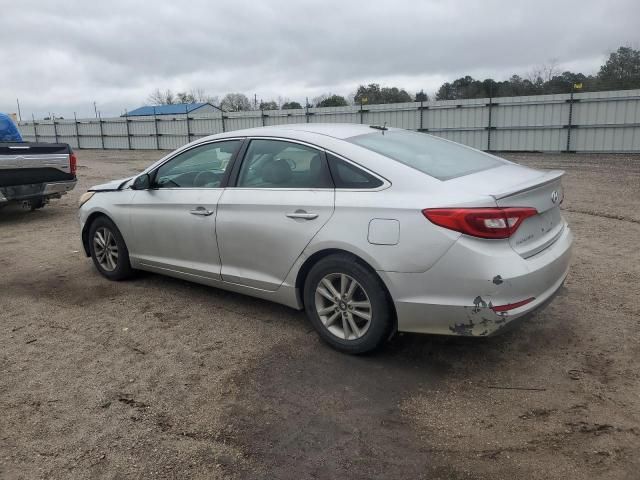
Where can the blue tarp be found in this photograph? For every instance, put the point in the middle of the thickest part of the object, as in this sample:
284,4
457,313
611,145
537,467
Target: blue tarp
8,130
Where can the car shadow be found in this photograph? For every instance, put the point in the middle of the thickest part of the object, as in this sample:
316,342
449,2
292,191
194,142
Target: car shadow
302,399
15,214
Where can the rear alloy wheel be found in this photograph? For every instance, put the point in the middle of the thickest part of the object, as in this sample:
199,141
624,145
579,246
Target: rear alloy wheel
343,306
347,304
108,250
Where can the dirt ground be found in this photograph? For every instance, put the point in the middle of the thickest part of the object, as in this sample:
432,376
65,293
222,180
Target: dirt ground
160,378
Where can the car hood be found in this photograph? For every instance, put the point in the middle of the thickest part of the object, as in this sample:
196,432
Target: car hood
111,186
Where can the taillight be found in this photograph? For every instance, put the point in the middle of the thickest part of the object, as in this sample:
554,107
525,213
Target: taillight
511,306
480,222
73,163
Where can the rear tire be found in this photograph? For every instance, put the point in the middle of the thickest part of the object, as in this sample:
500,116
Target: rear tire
108,250
348,305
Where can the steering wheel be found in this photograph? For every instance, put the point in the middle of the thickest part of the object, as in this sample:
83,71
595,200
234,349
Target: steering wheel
167,181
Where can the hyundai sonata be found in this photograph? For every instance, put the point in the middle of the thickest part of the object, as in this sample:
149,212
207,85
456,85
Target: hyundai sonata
371,230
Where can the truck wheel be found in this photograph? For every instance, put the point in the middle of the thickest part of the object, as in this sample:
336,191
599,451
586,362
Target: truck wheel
37,203
108,250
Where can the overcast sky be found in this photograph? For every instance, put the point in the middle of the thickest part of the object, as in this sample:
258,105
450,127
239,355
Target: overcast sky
62,56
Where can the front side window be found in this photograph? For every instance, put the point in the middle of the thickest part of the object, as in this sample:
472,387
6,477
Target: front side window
200,167
281,164
434,156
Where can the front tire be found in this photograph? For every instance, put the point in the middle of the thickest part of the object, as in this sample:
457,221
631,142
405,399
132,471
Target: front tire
108,250
348,304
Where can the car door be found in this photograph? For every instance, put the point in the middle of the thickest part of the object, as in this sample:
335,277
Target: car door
281,196
173,222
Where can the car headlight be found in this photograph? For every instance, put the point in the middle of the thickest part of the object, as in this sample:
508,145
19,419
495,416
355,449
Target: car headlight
85,198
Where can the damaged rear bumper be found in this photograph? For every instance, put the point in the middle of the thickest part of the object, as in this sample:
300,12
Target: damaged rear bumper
456,296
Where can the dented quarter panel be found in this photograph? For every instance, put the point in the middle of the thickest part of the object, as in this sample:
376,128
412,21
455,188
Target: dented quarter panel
455,296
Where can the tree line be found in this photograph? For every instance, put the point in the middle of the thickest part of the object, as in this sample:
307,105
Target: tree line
620,71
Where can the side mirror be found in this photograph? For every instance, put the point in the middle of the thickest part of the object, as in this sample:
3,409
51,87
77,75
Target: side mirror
142,182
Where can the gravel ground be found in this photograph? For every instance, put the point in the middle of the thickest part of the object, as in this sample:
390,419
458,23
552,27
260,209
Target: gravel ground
160,378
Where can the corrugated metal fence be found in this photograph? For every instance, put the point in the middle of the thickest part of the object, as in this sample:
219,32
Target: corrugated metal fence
584,122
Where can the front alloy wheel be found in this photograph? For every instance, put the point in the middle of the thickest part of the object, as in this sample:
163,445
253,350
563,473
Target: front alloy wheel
106,249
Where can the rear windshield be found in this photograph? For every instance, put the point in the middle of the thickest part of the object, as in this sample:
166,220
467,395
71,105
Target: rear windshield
436,157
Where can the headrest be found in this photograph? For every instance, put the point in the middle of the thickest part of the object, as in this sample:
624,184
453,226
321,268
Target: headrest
277,172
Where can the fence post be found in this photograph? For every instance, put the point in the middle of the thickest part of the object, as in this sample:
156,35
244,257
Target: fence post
126,123
101,132
55,130
186,113
570,120
75,122
490,105
155,126
35,127
361,113
306,110
224,128
262,115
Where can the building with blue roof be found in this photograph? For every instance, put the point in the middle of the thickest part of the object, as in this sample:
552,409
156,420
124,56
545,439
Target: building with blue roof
176,109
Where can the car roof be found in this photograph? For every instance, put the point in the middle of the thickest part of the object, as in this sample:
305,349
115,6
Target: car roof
335,130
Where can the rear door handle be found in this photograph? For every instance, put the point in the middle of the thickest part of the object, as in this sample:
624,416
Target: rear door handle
201,211
303,215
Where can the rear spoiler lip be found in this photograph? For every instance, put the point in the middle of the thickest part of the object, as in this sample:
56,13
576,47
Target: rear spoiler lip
548,177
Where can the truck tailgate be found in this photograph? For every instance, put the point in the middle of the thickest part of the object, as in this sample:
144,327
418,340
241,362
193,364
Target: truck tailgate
30,163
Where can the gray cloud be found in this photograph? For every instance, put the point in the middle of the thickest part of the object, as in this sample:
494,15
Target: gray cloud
62,56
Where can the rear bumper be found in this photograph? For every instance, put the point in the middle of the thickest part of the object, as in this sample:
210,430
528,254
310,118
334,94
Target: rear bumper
36,190
455,296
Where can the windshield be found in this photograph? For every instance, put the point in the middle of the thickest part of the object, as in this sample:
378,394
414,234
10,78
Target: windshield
434,156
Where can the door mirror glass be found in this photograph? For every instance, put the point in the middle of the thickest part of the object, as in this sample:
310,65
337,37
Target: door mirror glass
142,182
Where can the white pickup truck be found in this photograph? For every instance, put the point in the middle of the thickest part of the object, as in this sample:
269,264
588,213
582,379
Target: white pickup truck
33,173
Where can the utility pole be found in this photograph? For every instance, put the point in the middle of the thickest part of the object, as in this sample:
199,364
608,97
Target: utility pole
255,101
19,114
95,109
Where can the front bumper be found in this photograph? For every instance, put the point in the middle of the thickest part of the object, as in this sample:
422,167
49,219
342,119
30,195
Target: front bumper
455,296
36,190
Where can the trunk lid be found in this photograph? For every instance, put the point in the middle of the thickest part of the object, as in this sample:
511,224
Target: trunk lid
516,186
545,195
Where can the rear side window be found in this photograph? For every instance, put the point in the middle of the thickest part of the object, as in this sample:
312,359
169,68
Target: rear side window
434,156
281,164
346,175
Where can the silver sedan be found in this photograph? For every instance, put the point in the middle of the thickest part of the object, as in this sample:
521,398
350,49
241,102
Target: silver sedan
370,230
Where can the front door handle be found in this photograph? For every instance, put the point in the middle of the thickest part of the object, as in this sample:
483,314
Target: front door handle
303,215
201,211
